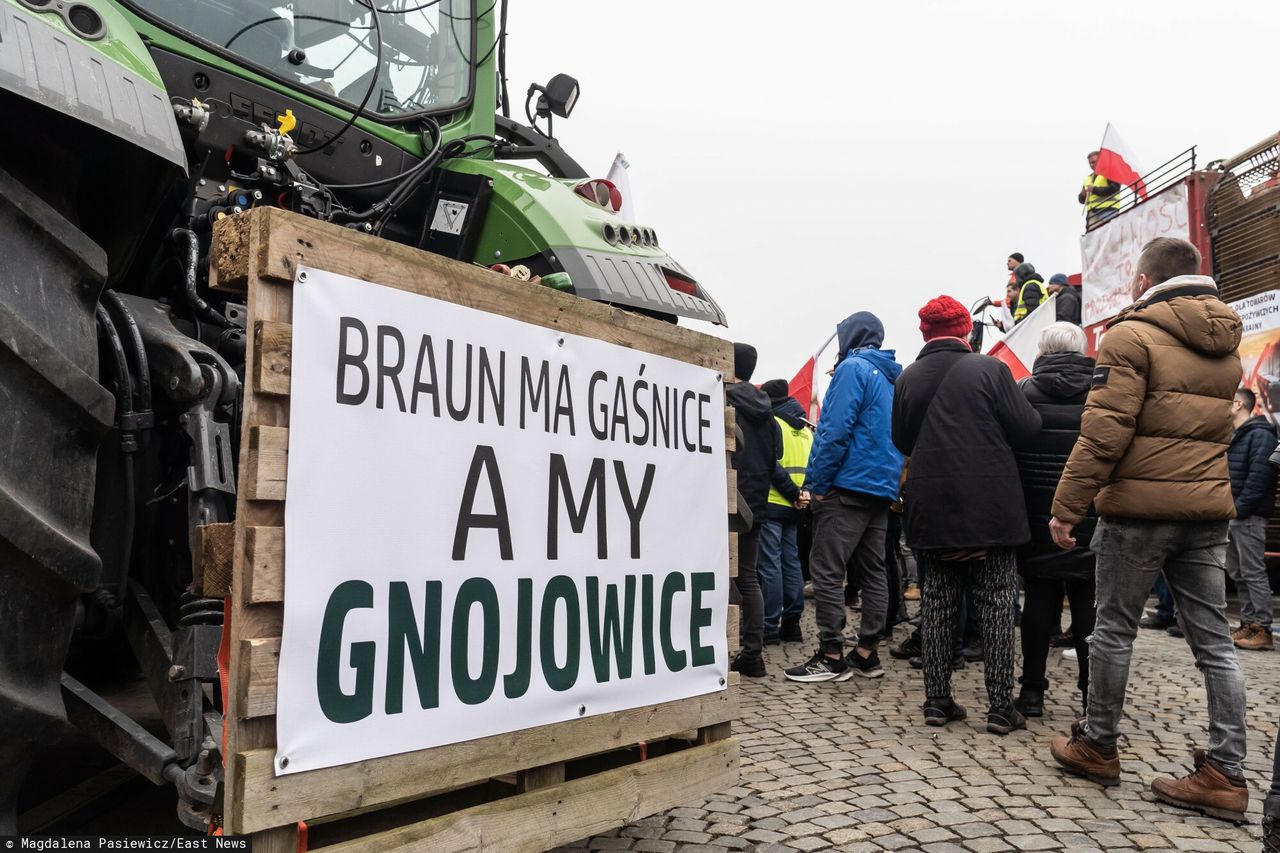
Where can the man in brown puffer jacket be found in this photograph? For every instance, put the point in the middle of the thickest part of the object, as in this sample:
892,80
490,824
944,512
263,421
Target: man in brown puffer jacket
1151,458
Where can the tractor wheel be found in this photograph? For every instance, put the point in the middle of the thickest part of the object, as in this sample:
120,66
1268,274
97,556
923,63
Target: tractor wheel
53,415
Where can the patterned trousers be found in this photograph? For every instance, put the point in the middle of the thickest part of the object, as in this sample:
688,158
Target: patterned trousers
993,582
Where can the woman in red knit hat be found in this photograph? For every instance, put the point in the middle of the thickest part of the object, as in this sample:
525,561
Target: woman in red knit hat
957,415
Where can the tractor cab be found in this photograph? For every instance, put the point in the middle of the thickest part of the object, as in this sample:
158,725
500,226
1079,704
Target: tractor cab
265,93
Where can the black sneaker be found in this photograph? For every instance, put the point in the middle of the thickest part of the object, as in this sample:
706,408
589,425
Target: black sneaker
957,663
907,649
1030,703
1154,622
1062,641
1001,721
772,639
972,651
1271,825
820,668
868,667
789,632
1174,631
939,712
751,666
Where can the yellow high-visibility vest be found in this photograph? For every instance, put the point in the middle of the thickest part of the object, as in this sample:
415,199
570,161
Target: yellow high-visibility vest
1099,202
796,444
1022,309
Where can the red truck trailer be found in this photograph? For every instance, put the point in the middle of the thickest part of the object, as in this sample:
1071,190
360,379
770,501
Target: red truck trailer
1230,210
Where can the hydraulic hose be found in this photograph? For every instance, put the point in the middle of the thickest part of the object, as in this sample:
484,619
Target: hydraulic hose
128,443
140,364
124,386
191,269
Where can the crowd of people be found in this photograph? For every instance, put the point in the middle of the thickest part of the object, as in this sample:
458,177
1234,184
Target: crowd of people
1087,481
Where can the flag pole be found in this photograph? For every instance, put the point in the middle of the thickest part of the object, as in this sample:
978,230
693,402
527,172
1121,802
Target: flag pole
824,346
815,397
1088,191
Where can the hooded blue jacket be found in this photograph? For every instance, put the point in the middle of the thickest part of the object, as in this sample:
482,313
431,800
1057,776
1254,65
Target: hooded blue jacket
853,448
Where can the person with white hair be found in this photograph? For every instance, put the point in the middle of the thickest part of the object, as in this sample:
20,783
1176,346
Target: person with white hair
1057,388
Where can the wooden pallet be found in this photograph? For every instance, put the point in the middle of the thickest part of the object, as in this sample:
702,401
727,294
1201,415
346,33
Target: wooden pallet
536,808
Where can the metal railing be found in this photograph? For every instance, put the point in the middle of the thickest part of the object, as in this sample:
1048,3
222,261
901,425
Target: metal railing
1152,183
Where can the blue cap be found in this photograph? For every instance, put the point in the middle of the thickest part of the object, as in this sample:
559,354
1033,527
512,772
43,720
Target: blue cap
1058,278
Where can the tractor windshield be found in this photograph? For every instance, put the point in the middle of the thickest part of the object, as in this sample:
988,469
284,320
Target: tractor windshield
330,46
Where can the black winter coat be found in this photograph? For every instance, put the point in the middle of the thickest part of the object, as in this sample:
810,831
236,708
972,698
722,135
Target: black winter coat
1253,480
1057,388
1067,305
962,488
757,456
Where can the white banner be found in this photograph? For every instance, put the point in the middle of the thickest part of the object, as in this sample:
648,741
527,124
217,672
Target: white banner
490,526
1108,254
1259,313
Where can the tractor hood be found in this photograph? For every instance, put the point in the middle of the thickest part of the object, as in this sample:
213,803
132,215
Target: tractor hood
610,260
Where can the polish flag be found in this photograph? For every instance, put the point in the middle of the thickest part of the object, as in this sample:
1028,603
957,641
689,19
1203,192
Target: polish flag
1117,163
620,177
804,385
1019,348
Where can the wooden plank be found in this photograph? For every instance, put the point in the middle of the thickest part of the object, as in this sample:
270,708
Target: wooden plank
733,490
273,346
733,624
542,819
730,432
237,251
258,691
733,555
280,839
215,550
287,241
540,777
719,731
268,800
267,469
264,564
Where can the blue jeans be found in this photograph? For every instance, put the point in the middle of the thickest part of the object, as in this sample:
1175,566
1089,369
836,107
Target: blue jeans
1193,556
781,581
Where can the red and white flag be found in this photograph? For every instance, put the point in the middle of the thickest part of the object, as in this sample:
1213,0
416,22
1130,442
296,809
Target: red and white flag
804,385
1019,348
1117,163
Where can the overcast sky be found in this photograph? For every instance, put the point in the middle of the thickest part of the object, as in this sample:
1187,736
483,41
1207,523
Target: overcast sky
808,160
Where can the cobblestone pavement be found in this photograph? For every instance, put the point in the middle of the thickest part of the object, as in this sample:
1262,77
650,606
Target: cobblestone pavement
851,767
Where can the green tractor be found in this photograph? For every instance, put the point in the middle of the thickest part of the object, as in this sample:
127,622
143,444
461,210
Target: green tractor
132,127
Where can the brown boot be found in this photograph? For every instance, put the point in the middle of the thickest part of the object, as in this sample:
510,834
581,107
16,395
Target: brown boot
1256,639
1239,631
1206,789
1079,755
